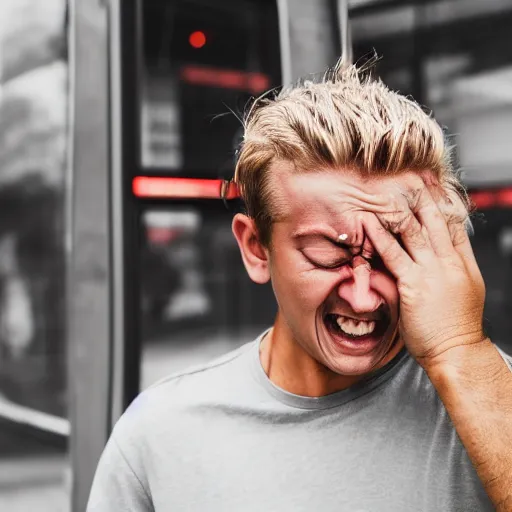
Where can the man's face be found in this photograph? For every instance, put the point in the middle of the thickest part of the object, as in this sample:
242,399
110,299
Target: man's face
338,301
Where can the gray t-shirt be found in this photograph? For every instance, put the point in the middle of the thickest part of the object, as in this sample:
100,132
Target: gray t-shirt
222,437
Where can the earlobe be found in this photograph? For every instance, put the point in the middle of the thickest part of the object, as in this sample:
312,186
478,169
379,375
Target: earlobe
254,255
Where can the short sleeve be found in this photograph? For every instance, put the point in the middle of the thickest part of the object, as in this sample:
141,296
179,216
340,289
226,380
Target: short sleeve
116,485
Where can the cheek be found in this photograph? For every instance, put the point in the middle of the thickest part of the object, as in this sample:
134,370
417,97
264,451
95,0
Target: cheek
299,286
305,289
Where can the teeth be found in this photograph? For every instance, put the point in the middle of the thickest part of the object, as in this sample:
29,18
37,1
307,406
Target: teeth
354,327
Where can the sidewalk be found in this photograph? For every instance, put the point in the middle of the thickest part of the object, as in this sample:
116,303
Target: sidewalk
35,484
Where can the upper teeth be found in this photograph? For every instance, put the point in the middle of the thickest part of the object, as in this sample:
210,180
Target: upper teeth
355,327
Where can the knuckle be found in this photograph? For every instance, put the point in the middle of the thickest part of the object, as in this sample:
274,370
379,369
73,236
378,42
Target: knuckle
389,254
457,232
398,222
415,197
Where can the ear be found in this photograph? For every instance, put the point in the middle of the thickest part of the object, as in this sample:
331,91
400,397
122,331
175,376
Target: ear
254,255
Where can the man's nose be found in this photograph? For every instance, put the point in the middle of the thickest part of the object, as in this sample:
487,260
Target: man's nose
357,290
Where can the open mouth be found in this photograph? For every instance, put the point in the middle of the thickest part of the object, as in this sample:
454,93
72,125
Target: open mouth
353,330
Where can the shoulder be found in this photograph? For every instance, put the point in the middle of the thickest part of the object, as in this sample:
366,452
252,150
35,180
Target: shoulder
198,373
167,405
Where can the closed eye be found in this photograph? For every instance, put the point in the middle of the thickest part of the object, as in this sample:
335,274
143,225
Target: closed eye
332,265
328,259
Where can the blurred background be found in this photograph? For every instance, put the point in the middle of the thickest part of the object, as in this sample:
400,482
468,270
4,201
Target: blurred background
117,264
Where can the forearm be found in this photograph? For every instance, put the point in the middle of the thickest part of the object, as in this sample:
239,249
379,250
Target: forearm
475,385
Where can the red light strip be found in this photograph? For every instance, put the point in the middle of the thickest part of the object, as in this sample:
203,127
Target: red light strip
504,197
225,78
482,199
496,198
195,188
182,188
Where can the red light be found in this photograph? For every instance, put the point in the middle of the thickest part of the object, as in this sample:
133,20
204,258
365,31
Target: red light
504,197
483,199
197,39
258,82
178,188
225,78
159,236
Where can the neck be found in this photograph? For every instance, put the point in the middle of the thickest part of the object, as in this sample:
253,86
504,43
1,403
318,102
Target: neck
290,367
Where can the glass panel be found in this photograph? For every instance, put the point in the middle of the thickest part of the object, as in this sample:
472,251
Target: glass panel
493,248
33,109
197,301
468,78
451,57
467,74
202,61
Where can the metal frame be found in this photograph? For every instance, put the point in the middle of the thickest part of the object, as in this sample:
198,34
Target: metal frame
103,214
347,54
125,76
117,209
88,245
305,54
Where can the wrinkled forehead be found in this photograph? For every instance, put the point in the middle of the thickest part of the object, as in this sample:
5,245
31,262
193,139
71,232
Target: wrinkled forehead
338,200
337,193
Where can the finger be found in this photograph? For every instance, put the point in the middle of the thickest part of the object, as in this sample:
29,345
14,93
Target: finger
404,223
394,257
462,246
429,215
459,226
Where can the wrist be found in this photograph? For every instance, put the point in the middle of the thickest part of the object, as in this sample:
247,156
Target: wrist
478,360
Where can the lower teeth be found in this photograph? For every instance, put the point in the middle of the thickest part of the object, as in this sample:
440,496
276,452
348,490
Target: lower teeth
355,336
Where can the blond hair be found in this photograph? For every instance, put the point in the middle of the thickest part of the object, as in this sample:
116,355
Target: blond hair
347,119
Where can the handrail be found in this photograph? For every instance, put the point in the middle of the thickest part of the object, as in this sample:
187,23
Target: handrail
34,418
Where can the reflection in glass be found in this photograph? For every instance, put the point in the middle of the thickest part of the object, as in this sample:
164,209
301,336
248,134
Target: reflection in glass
201,63
193,94
197,301
453,57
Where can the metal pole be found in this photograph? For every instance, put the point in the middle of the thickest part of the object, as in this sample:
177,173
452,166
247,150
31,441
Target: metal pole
307,37
419,51
88,246
125,74
117,180
284,40
345,33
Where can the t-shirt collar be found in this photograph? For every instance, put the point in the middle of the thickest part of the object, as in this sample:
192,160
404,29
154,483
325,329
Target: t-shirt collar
336,399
